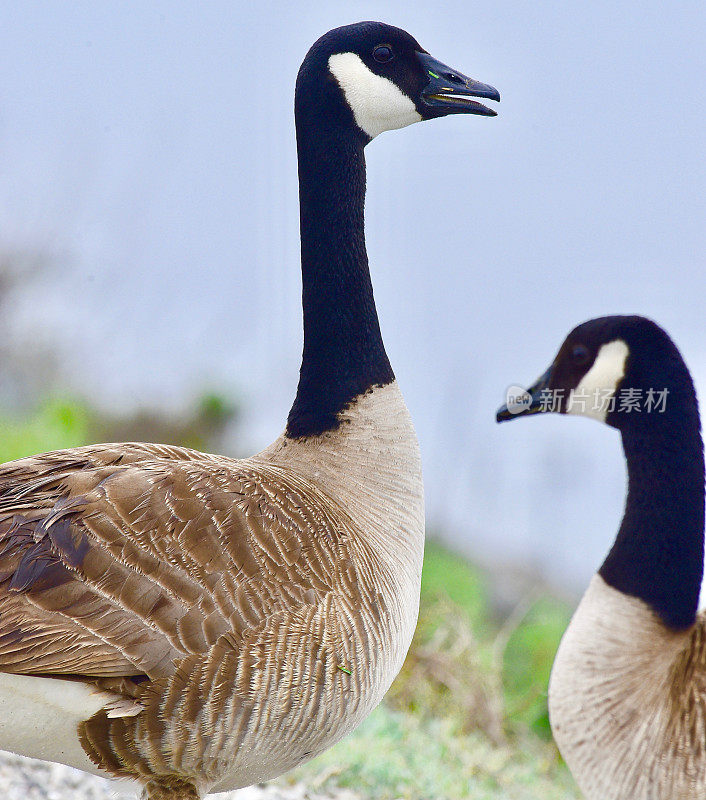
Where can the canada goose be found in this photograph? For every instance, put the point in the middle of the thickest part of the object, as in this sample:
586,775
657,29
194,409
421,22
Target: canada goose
199,623
627,694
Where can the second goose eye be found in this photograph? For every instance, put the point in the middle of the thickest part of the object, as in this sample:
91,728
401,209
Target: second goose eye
579,355
383,53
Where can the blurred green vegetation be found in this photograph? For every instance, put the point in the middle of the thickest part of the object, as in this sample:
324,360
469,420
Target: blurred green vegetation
54,424
503,663
60,422
467,716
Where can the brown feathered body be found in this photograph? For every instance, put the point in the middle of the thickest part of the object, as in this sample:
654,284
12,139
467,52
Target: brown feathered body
172,616
627,701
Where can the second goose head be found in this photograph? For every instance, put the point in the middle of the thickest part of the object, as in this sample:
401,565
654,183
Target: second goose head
627,372
620,370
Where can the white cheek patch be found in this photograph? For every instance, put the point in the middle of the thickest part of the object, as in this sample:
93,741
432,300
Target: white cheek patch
594,394
377,103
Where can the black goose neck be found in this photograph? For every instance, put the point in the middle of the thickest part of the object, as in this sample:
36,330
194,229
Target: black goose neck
659,551
343,353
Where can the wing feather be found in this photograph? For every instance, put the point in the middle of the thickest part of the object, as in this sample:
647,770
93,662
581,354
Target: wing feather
107,556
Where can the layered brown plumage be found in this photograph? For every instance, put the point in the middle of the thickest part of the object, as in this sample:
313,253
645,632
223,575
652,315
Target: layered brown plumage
226,606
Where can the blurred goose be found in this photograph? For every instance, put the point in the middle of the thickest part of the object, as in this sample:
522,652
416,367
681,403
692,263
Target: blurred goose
627,695
198,623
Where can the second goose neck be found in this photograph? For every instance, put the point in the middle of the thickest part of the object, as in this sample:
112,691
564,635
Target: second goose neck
658,553
343,351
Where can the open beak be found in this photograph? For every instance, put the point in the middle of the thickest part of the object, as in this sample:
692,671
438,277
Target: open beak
535,400
449,92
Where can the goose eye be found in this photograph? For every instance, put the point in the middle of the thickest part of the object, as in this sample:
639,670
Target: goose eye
383,53
579,355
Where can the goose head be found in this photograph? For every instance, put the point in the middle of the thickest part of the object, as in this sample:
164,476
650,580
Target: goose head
379,78
624,371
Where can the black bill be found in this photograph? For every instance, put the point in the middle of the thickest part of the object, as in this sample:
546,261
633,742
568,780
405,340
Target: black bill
531,401
452,91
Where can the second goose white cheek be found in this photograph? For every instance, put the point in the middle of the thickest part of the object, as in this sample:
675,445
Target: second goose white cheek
592,395
377,103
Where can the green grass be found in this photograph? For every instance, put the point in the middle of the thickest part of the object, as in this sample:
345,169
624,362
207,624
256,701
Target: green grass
400,755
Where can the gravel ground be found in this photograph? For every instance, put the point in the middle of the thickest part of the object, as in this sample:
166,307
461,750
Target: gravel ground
27,779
